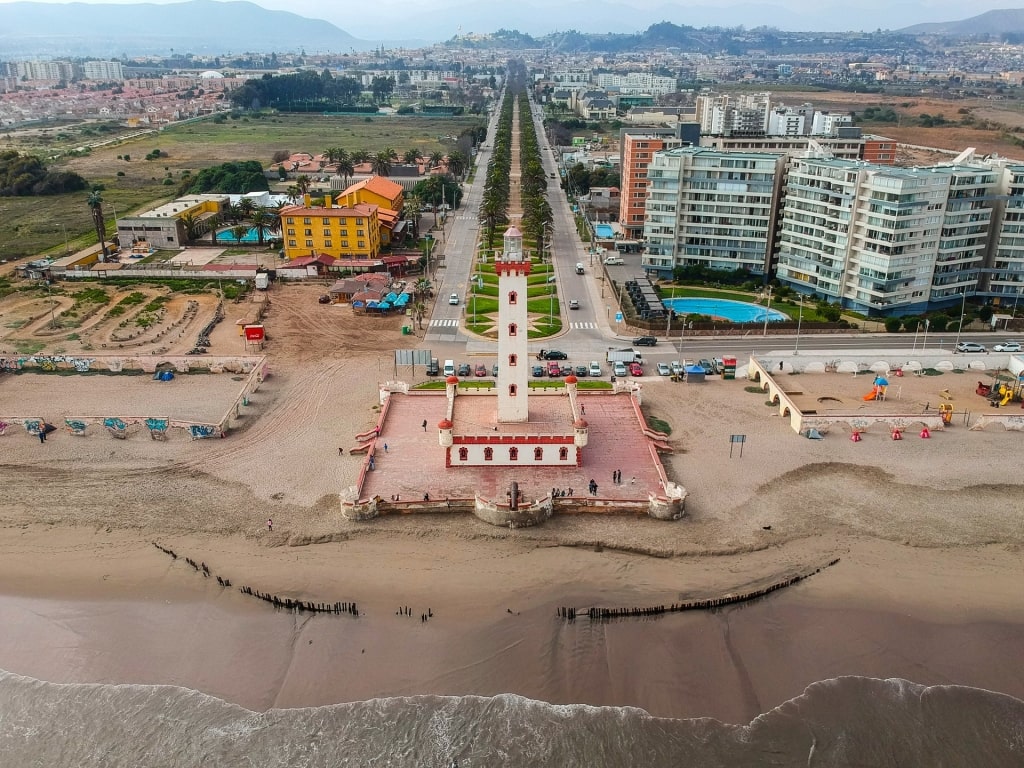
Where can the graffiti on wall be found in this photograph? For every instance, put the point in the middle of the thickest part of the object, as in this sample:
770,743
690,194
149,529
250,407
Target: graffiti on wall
201,431
75,426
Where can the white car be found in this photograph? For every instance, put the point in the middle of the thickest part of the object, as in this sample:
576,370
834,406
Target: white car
595,368
1007,346
620,370
676,368
970,346
453,299
664,370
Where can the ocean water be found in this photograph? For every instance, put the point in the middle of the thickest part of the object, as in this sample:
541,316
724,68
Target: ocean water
850,721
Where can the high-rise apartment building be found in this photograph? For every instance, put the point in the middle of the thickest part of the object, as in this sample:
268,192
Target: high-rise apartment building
885,240
714,209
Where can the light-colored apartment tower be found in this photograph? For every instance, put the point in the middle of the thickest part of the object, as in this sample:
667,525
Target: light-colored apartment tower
1005,280
709,208
884,240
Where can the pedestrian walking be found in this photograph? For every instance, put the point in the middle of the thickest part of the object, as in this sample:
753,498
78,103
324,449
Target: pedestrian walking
341,451
583,410
424,425
385,447
270,524
42,435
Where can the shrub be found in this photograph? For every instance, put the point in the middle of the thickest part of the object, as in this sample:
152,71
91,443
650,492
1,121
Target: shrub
893,324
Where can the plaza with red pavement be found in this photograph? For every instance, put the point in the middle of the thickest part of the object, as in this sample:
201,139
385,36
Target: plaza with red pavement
413,462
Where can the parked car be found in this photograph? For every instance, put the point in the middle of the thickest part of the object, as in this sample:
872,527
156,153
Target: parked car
480,370
433,369
676,367
554,370
619,369
464,369
573,304
707,365
551,354
1007,346
595,368
970,346
582,370
635,369
614,260
645,341
664,370
538,371
494,370
453,299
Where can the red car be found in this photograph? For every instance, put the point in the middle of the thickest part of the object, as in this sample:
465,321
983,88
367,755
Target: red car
481,370
635,369
554,370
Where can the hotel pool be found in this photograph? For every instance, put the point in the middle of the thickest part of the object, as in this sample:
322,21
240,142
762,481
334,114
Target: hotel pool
736,311
249,237
604,231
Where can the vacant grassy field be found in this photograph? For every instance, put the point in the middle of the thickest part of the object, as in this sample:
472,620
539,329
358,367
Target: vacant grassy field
31,226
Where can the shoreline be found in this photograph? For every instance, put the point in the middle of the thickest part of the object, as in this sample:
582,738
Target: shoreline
114,609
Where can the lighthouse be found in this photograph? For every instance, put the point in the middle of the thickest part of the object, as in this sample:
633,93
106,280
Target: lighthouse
512,268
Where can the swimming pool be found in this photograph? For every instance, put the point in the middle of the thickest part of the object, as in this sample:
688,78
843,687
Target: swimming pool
604,231
226,236
736,311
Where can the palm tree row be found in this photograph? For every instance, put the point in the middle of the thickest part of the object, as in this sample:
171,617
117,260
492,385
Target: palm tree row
533,181
495,199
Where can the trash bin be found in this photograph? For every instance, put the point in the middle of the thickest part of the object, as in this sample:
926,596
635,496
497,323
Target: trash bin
406,330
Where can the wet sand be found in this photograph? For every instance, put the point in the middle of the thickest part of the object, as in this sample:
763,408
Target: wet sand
108,607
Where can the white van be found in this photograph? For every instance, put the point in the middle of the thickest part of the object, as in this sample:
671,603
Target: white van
449,368
613,260
579,268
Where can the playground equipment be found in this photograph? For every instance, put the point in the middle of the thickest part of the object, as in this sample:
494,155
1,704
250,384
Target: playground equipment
878,390
897,433
946,412
925,433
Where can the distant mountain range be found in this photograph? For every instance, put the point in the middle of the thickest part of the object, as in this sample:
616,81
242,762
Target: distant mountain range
1002,22
205,27
198,26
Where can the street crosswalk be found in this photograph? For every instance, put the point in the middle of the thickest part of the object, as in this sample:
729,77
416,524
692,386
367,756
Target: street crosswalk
450,323
583,326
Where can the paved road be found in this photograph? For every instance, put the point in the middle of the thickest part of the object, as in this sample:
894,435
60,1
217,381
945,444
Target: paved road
456,243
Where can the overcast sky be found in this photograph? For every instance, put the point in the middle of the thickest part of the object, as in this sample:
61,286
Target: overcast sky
440,19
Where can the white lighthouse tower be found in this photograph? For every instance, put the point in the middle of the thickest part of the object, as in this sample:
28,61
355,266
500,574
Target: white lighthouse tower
512,268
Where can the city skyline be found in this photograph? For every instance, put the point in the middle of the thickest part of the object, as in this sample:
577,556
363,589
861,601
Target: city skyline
443,19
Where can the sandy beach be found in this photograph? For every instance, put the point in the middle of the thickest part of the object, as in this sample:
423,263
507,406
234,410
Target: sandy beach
929,534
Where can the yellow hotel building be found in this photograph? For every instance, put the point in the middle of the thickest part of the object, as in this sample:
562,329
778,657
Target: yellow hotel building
349,232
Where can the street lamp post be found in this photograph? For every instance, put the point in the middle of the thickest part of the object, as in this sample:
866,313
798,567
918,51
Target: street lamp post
960,327
799,322
767,312
924,341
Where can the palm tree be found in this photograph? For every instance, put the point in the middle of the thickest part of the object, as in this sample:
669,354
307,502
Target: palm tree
293,194
246,207
411,156
190,224
95,202
239,231
382,163
346,169
360,156
259,223
457,164
419,312
302,183
436,158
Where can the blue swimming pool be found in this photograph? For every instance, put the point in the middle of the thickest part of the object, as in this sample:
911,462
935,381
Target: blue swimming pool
251,236
604,231
736,311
